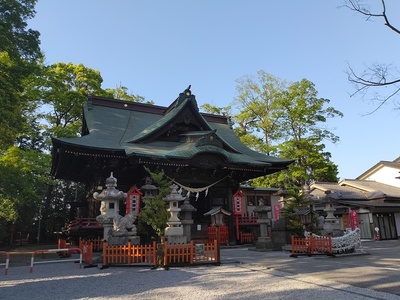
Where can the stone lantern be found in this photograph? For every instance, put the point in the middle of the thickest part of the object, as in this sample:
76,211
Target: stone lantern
186,218
331,223
282,193
109,207
174,231
149,190
264,241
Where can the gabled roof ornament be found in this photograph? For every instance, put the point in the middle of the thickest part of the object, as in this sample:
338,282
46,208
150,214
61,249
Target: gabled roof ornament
188,92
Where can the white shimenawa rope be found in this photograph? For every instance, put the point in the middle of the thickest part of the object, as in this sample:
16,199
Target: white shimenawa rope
196,191
341,244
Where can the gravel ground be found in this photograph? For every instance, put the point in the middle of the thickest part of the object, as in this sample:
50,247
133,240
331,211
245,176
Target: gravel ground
228,281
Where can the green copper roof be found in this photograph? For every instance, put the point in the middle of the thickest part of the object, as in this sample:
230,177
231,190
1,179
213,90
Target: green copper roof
179,132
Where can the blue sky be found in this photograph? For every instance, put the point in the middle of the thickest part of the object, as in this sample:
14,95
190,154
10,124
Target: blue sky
158,48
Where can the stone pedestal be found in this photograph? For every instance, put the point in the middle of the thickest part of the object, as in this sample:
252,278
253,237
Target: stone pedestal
280,234
177,230
123,240
108,224
177,239
264,243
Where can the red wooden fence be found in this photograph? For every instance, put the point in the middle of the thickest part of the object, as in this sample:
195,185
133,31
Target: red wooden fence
179,254
87,251
190,253
246,237
311,245
96,242
129,254
223,234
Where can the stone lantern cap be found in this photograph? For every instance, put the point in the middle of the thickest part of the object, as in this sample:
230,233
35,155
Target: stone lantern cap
149,189
174,195
110,193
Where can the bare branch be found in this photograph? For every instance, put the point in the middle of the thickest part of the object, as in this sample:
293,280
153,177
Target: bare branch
377,75
358,6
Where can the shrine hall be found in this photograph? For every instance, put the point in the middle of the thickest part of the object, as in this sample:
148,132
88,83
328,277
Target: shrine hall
198,151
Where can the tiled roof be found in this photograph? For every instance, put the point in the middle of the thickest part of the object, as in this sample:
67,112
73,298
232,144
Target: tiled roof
116,127
355,190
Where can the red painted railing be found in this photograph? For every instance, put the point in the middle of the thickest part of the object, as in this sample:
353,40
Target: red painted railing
311,245
83,223
248,219
223,234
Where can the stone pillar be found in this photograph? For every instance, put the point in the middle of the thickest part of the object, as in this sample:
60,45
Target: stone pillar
186,218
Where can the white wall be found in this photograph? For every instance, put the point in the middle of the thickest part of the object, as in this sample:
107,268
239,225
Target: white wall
386,175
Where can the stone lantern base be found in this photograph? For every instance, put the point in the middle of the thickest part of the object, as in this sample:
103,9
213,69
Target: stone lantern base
174,235
123,240
264,243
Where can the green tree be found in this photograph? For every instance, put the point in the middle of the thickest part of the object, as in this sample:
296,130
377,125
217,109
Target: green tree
23,177
19,52
289,121
259,112
58,93
121,92
225,111
62,89
295,201
155,211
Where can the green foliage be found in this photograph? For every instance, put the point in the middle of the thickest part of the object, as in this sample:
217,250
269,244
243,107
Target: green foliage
121,92
295,201
37,102
286,120
19,51
259,112
225,111
23,177
155,211
8,211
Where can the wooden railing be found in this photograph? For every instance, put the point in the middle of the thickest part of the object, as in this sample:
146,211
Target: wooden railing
311,245
97,243
87,251
129,254
246,237
190,253
169,255
248,219
83,223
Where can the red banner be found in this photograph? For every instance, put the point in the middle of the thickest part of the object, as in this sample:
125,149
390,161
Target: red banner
277,211
354,219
